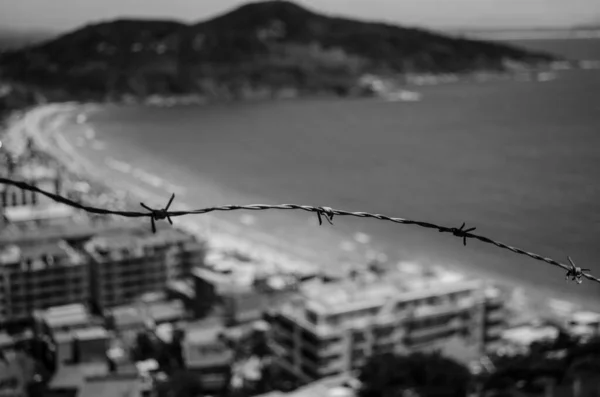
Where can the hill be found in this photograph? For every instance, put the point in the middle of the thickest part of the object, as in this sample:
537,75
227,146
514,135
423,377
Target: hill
14,39
258,47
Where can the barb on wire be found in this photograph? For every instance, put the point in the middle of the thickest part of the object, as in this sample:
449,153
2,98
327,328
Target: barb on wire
575,272
572,271
460,232
327,212
157,215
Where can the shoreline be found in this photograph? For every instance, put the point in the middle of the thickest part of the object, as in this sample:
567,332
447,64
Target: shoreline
208,226
219,233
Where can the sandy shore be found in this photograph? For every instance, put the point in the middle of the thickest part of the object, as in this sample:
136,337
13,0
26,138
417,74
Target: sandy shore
44,125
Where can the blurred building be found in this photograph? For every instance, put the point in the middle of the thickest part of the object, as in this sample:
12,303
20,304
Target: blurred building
29,217
84,345
69,317
28,357
17,372
242,287
129,264
207,355
96,380
332,328
495,317
518,340
128,320
584,324
107,265
143,315
183,291
247,307
211,284
164,311
38,175
40,274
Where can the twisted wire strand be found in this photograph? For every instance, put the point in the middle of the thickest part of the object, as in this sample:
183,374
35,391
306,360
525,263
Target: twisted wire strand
573,272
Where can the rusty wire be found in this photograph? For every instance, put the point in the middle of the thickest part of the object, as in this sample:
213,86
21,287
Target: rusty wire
573,272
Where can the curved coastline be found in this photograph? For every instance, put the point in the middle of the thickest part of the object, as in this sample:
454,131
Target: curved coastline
41,124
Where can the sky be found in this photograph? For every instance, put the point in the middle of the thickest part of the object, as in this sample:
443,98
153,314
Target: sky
64,15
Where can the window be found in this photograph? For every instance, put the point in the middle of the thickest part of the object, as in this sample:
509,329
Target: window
312,317
357,354
358,336
383,331
334,320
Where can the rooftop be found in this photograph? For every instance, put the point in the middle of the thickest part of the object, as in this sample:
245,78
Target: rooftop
57,249
33,171
65,309
226,281
586,317
182,287
91,333
69,315
127,315
111,388
243,260
202,347
27,213
527,334
76,230
204,331
369,290
74,376
135,239
165,311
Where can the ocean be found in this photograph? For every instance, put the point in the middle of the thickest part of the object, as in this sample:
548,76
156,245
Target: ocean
520,161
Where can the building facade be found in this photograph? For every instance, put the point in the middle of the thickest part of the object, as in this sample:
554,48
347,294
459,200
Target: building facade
40,275
332,328
127,265
55,270
206,355
34,174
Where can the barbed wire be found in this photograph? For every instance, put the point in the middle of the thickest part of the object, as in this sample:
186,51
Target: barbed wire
573,272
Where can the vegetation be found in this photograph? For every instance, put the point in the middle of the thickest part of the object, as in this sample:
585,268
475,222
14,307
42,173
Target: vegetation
256,50
419,374
562,367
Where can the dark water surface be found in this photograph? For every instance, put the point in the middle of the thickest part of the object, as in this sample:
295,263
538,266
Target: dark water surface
519,161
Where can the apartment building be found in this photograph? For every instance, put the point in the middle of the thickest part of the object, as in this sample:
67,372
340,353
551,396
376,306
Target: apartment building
131,263
495,317
331,328
40,274
38,175
28,218
206,355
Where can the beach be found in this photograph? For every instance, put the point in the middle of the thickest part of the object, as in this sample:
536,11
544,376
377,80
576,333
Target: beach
44,125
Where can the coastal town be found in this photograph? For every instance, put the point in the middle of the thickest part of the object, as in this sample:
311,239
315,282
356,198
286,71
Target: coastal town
95,304
98,305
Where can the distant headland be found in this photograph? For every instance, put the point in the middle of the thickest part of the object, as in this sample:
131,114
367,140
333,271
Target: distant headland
263,49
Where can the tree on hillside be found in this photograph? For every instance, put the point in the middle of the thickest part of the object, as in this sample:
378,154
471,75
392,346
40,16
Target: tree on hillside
426,374
180,384
545,365
531,372
583,363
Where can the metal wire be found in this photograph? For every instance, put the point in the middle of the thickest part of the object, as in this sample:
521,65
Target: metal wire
573,272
